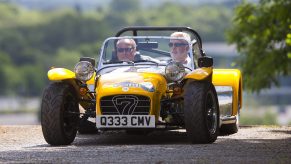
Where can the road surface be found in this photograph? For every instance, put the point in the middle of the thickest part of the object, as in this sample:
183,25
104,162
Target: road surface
256,144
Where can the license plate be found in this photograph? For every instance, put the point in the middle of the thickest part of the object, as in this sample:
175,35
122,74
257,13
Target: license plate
125,121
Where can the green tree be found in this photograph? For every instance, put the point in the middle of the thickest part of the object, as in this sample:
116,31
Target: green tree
32,41
260,32
123,6
4,62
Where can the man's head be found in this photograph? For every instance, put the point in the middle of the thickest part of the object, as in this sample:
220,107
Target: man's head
126,49
179,47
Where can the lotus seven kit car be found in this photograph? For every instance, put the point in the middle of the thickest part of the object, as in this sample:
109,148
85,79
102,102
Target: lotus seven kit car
150,92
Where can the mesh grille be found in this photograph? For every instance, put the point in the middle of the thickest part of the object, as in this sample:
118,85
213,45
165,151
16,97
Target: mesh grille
125,105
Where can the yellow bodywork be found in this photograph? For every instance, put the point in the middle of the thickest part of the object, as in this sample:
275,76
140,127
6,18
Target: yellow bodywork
56,74
106,84
199,74
109,84
59,74
233,78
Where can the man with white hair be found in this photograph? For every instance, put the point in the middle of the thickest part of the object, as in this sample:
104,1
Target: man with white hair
179,48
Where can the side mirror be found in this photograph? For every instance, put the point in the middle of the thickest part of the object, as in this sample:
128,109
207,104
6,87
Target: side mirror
205,61
91,60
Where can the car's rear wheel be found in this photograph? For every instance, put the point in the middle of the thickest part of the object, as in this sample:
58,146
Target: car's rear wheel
201,112
59,114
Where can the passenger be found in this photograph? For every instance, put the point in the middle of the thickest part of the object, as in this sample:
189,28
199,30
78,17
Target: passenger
179,48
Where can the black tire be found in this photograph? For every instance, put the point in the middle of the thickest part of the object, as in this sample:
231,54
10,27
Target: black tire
59,126
228,129
201,112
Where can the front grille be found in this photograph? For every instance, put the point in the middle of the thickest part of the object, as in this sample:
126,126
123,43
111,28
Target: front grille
125,105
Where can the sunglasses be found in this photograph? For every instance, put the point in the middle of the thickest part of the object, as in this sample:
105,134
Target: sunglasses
124,50
177,44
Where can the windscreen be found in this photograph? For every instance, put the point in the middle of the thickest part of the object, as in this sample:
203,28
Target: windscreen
146,50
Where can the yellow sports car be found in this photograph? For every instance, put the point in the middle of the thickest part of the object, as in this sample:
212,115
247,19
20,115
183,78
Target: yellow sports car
139,85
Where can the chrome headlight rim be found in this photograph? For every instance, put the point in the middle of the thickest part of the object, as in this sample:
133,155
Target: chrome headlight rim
84,70
175,71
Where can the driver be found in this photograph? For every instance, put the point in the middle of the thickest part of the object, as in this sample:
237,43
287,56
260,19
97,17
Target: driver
179,48
126,51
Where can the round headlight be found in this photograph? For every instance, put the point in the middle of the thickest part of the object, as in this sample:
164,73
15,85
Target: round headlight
175,71
84,71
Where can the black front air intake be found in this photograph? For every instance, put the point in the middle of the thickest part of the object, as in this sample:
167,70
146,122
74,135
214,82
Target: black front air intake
125,105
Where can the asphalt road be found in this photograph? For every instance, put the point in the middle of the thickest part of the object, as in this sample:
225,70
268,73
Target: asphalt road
258,144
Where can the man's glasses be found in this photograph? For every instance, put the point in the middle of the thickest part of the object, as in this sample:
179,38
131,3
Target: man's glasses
177,44
120,50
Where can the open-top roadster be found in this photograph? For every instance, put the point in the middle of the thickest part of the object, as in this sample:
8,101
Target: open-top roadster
143,95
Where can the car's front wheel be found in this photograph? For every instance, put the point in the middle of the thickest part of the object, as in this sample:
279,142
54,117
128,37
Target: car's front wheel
201,112
59,114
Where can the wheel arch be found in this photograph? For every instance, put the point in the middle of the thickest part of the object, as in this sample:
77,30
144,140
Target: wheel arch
232,78
62,74
200,74
67,76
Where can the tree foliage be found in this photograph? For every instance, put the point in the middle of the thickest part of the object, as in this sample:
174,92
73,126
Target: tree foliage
124,6
261,33
32,41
